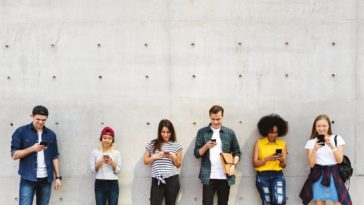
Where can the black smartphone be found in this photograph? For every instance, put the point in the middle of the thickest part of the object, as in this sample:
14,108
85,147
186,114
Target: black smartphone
278,152
43,143
213,140
321,140
166,152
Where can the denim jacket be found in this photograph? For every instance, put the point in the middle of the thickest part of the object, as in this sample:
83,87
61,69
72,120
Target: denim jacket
229,144
26,136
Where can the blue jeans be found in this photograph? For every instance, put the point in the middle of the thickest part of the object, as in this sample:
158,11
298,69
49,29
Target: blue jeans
106,191
42,189
272,187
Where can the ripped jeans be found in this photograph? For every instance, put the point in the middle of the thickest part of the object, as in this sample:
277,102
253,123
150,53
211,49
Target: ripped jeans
272,187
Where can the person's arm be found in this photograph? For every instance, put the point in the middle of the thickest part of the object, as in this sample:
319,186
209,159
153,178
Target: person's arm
311,156
58,183
283,158
19,154
150,159
261,162
337,151
200,147
176,159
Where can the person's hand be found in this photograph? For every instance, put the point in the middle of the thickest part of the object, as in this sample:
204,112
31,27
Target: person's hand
171,155
328,142
58,184
37,147
272,157
109,161
210,144
232,171
158,155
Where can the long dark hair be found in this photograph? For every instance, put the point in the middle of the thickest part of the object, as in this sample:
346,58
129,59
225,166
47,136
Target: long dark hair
158,142
320,117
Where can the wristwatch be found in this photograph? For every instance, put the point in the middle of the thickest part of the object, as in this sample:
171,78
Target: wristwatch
60,177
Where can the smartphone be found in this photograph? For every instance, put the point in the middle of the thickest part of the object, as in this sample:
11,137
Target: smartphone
213,140
166,152
43,143
321,140
106,157
278,152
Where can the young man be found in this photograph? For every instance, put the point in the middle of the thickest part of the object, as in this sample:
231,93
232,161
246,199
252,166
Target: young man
36,148
210,142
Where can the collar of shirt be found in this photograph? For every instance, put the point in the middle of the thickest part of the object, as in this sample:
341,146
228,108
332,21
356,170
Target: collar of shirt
266,141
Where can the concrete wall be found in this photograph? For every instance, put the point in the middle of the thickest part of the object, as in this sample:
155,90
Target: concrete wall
128,64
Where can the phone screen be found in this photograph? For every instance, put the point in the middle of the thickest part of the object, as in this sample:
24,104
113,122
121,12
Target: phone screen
213,140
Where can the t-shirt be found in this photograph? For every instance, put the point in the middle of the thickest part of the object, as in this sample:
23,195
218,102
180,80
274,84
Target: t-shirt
266,149
41,165
217,171
164,168
324,155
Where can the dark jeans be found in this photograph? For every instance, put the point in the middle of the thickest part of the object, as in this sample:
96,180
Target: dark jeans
167,191
220,186
272,187
106,191
27,189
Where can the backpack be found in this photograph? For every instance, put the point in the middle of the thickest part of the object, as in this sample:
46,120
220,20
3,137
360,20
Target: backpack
346,171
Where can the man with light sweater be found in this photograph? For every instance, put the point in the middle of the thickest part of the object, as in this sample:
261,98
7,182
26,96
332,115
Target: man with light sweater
210,142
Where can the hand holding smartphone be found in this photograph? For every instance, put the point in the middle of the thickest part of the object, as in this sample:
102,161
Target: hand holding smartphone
43,143
106,157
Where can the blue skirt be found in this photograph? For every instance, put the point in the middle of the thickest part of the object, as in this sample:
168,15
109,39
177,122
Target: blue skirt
323,193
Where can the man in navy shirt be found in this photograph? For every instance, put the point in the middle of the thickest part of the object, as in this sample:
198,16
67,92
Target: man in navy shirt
36,148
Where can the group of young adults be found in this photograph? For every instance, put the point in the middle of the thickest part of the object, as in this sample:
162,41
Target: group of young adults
36,148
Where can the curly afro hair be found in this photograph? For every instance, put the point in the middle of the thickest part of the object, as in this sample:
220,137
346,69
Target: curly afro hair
266,124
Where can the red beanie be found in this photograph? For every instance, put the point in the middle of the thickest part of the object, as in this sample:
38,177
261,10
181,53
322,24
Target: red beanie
107,130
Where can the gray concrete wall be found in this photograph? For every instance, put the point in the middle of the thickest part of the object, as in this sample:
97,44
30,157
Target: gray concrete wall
128,64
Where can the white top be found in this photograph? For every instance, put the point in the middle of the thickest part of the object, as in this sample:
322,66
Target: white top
41,165
105,171
324,155
164,168
217,171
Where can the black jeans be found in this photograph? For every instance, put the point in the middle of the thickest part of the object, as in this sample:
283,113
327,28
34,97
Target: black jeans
167,191
220,186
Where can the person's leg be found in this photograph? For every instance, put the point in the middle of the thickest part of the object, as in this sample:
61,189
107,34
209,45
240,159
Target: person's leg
223,191
26,192
262,184
279,190
43,191
100,194
208,192
172,189
113,195
156,192
320,202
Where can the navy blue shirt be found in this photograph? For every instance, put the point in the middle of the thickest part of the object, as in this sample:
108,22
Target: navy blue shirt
26,136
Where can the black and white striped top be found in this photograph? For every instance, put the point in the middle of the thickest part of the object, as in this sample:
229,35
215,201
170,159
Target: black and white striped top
164,168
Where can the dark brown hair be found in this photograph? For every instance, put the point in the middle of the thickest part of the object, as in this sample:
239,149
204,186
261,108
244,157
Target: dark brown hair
158,142
216,109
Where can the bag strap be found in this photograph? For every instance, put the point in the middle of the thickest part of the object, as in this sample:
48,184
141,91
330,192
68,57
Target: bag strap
335,139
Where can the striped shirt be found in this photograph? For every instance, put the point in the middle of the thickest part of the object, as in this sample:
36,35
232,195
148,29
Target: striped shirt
164,168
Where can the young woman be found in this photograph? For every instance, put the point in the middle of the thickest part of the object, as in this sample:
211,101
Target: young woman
165,156
324,182
270,158
106,163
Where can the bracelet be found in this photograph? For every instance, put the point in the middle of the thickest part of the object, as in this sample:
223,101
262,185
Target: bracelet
334,149
233,164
